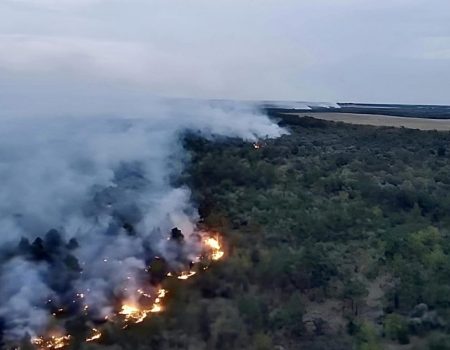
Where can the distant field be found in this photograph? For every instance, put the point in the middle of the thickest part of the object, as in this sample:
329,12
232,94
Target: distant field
382,120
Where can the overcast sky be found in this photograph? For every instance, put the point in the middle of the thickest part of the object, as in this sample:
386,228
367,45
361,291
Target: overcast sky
308,50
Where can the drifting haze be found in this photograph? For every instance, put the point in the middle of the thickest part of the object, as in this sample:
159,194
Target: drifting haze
92,178
88,151
326,50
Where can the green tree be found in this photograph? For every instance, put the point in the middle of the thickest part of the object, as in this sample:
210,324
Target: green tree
367,338
396,328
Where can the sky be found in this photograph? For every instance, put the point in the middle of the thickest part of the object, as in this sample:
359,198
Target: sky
383,51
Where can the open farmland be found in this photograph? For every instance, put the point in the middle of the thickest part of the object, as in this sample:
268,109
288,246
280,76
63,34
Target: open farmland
383,120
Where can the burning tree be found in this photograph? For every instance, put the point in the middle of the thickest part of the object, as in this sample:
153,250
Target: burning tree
142,295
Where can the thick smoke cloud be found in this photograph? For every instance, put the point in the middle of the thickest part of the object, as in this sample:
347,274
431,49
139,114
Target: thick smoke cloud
105,181
22,288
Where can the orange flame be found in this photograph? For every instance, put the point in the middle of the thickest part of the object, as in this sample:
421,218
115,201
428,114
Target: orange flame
215,247
131,312
95,336
186,274
52,342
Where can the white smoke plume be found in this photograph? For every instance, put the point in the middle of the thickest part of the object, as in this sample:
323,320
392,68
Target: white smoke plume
101,176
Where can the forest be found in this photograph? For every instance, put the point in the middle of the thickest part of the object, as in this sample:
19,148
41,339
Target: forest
336,237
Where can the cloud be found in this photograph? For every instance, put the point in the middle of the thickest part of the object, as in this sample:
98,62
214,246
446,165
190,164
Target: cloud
138,64
55,4
103,59
434,48
230,49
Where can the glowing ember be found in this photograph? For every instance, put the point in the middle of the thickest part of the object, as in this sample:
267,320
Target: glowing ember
141,292
52,342
186,274
96,334
214,245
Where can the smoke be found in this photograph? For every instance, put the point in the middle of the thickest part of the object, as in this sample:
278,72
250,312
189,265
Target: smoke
21,289
87,196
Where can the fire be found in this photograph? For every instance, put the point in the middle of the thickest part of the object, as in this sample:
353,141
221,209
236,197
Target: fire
52,342
156,308
256,146
216,249
186,274
162,293
217,255
95,336
141,292
133,313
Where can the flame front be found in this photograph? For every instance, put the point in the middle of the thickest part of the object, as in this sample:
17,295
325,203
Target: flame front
52,342
186,274
131,311
216,249
96,334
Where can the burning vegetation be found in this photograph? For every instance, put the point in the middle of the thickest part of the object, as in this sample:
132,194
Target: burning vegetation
215,248
133,312
51,342
259,144
140,297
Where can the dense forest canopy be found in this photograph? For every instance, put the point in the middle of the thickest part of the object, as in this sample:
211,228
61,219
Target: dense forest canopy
336,237
333,229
